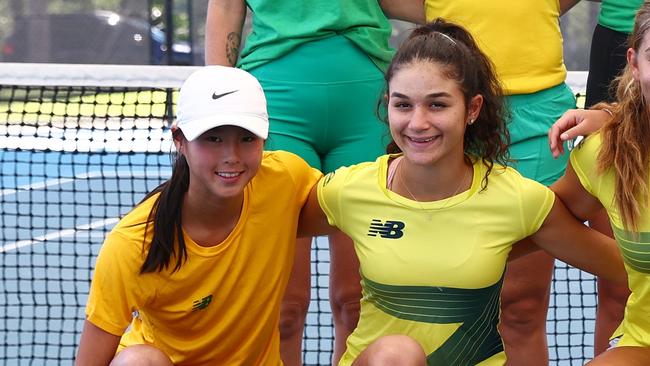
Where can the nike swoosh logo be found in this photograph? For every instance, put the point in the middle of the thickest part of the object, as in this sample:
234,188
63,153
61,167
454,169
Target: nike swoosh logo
217,96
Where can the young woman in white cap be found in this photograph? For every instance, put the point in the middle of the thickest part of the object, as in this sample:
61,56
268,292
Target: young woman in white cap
196,272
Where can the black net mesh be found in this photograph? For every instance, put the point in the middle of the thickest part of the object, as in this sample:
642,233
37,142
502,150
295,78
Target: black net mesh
75,159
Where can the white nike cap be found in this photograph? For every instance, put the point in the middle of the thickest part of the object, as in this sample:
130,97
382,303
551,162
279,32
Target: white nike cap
216,96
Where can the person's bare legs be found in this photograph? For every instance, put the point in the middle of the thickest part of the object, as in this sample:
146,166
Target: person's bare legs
624,356
345,290
524,306
612,297
295,305
345,293
141,355
392,350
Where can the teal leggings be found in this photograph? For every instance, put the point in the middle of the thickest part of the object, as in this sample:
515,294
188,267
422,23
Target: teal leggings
532,116
322,101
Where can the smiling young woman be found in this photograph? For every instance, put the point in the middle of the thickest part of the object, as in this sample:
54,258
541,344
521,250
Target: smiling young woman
428,121
196,272
434,221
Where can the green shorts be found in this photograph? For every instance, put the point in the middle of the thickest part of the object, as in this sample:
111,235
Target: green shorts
322,100
532,115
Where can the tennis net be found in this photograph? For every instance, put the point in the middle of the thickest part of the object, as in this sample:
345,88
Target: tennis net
79,147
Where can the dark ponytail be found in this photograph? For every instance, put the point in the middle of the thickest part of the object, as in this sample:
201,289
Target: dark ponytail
165,216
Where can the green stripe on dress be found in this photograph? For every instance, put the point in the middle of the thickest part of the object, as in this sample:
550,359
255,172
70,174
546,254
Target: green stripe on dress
635,248
477,310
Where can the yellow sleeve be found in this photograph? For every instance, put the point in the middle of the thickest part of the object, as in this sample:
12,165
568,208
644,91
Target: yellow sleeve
329,195
583,161
303,175
536,203
115,291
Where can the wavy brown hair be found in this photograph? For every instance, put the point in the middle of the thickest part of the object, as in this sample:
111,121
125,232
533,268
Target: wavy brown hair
625,148
453,47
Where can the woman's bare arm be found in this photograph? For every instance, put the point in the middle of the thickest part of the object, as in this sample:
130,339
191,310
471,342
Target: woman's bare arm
96,347
408,10
223,31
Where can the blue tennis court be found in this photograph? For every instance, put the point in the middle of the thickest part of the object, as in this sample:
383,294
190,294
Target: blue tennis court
56,209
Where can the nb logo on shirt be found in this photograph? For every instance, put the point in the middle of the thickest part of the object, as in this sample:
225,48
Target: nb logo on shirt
388,230
201,304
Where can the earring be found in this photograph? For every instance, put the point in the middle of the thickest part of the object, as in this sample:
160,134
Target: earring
471,121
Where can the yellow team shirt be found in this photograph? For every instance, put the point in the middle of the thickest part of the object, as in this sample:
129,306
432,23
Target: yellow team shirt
521,37
634,246
222,307
433,270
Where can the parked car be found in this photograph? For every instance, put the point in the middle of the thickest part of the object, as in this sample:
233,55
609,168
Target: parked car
98,37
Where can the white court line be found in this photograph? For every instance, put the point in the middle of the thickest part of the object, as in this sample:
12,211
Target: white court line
60,181
35,186
57,234
89,175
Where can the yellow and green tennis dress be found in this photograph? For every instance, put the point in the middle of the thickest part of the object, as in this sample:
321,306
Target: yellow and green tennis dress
433,270
634,246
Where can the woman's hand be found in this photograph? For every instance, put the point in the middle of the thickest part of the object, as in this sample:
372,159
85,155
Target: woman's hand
574,123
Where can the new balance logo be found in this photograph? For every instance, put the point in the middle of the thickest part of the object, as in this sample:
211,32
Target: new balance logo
217,96
388,230
202,304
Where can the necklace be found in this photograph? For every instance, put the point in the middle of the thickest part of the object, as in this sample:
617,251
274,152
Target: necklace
398,174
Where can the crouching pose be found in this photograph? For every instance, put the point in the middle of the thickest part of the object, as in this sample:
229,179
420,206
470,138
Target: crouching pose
197,270
611,169
435,220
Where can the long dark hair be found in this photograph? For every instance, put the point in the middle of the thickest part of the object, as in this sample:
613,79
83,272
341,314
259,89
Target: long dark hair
454,47
165,216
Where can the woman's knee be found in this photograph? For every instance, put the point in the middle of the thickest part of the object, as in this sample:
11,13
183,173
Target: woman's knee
292,318
295,302
628,356
526,290
345,293
392,350
525,312
143,355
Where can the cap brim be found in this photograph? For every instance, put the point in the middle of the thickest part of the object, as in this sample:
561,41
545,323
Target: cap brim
255,124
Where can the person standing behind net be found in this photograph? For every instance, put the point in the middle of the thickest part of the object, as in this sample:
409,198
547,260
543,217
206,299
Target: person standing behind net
608,48
523,40
195,274
434,222
611,169
321,65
